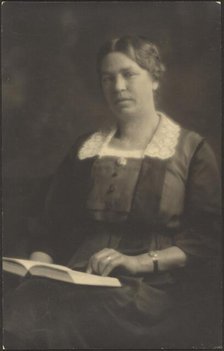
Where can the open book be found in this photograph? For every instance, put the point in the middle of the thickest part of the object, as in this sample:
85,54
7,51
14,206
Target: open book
54,271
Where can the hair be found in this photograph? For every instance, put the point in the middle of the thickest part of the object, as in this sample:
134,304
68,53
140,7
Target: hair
137,48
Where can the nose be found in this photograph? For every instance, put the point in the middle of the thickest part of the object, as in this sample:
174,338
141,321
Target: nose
119,83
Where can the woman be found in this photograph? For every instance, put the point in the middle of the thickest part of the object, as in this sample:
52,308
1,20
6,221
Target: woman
139,201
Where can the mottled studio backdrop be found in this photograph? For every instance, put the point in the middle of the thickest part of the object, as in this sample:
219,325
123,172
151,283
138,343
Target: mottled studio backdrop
50,90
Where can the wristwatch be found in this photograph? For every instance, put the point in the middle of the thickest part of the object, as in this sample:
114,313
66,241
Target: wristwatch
154,256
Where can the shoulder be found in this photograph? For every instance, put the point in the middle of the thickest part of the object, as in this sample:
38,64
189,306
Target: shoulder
80,140
175,142
191,138
85,145
171,139
193,149
183,136
196,148
90,144
189,142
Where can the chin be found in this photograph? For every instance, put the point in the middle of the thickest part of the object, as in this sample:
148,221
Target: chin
125,113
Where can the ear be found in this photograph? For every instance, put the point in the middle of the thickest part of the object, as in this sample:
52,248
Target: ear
155,85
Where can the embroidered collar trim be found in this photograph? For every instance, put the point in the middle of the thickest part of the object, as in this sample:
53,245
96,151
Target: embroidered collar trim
162,145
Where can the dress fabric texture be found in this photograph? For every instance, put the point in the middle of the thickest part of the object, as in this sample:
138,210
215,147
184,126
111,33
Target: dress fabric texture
168,197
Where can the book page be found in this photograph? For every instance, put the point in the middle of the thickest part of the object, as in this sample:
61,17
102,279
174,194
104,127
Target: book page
62,273
28,264
93,279
59,272
51,273
25,263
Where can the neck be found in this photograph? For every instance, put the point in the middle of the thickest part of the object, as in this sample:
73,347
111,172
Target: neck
138,130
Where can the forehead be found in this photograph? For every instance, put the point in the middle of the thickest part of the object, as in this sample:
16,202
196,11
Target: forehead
117,61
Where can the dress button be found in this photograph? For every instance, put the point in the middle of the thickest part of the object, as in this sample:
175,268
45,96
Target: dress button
108,205
121,161
111,188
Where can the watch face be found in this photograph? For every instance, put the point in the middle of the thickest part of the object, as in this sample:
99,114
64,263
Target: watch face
153,254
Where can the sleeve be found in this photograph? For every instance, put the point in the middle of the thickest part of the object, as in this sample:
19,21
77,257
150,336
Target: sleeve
55,229
200,237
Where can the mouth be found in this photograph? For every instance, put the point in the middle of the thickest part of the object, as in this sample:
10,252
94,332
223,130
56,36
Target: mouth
122,100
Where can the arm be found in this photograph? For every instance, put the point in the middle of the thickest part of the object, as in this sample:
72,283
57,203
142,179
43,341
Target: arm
55,227
200,237
44,224
106,260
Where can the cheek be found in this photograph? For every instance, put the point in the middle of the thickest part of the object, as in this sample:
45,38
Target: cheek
106,92
146,91
142,91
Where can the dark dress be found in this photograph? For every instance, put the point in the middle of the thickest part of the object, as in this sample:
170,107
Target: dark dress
169,197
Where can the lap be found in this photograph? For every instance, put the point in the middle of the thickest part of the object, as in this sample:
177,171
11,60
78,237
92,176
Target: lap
76,315
133,294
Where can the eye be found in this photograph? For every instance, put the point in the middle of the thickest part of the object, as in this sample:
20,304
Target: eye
107,79
129,74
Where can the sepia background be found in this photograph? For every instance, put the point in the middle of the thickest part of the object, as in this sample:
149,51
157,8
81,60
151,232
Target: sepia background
51,94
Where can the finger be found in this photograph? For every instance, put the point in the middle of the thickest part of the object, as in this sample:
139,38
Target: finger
105,260
112,264
97,262
89,268
92,265
104,253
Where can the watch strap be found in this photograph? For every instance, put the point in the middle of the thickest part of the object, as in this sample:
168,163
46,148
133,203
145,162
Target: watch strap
154,256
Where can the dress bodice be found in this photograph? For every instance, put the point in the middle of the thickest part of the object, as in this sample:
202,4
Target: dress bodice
114,179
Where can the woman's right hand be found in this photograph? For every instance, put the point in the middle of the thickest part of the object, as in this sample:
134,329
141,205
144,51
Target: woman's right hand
41,257
105,261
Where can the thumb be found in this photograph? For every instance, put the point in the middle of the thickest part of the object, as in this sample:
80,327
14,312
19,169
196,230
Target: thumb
89,268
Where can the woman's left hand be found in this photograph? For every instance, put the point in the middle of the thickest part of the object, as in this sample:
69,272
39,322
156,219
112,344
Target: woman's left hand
104,261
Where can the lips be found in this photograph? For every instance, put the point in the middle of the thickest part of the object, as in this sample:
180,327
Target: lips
119,100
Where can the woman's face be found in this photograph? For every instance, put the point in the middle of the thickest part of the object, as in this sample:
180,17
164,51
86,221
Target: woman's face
128,88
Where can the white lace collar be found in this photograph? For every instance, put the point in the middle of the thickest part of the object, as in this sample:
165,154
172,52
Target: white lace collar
162,145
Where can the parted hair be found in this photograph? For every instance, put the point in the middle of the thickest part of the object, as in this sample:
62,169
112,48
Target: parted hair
139,49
